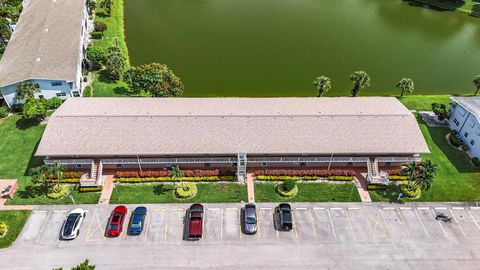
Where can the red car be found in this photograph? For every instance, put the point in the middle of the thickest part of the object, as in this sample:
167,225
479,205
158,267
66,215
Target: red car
115,224
195,222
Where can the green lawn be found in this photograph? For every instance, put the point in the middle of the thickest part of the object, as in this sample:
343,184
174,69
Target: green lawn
15,221
163,193
19,140
309,192
102,85
423,103
456,180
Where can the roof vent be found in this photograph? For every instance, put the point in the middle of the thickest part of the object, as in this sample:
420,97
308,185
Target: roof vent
46,29
38,59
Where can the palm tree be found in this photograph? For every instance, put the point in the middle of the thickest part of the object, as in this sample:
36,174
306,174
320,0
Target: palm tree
410,170
175,174
39,175
405,85
360,80
57,170
323,84
428,172
476,82
26,90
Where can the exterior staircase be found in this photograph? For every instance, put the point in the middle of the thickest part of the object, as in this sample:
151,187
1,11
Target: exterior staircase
94,177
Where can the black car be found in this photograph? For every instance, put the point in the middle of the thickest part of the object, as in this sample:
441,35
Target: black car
250,219
283,214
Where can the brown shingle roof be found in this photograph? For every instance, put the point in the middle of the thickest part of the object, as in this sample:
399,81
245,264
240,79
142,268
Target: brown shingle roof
45,43
161,126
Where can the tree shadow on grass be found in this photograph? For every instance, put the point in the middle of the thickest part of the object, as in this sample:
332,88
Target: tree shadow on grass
101,14
104,77
31,192
391,194
34,161
459,159
24,123
121,91
161,189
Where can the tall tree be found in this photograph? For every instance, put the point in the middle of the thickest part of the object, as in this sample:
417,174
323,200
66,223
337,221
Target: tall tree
154,79
39,175
114,63
26,90
34,109
323,84
176,174
476,82
405,85
410,170
360,80
57,169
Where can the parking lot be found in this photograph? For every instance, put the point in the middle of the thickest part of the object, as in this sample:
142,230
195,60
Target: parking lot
348,223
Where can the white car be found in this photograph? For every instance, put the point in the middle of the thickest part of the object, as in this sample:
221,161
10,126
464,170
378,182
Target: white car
71,226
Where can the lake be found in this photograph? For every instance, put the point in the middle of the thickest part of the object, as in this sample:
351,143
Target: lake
278,47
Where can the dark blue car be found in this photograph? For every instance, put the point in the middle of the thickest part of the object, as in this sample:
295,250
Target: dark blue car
137,220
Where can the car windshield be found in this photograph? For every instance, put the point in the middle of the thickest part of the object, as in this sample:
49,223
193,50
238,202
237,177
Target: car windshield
136,225
69,225
115,218
113,227
250,220
285,209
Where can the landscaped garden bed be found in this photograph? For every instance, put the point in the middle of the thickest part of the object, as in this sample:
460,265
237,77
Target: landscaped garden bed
304,175
163,193
165,176
308,192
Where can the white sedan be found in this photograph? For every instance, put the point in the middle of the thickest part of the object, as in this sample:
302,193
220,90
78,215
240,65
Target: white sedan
71,226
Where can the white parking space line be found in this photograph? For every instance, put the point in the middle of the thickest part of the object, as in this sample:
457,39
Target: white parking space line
456,221
231,208
474,221
475,207
43,227
313,224
423,208
214,209
440,208
331,224
300,208
265,208
458,208
388,208
335,208
318,208
59,211
353,208
40,211
221,225
405,208
403,222
439,223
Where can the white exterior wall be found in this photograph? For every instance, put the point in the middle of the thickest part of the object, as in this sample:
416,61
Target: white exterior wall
468,127
46,89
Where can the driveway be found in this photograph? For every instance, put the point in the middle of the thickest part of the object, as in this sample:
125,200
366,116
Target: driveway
325,235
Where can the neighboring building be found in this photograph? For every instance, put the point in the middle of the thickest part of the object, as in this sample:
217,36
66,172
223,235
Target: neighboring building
236,133
465,119
48,46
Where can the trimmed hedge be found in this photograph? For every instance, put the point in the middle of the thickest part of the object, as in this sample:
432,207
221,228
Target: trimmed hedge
97,35
299,178
90,189
318,173
63,191
455,140
65,181
184,179
66,175
397,178
166,173
3,112
377,187
476,162
284,193
190,191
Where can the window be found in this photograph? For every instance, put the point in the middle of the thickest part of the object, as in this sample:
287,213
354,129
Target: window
79,166
349,164
456,122
76,94
119,166
388,164
462,111
41,96
207,165
465,134
56,83
471,123
264,164
303,164
61,94
472,142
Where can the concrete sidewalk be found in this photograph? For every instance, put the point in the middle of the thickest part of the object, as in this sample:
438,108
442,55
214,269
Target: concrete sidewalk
251,187
361,184
107,190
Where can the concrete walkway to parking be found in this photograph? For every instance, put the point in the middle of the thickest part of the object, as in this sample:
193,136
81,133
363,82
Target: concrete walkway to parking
361,184
107,190
250,188
16,207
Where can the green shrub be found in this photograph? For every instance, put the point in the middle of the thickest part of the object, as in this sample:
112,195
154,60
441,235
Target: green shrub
377,187
100,26
289,184
185,190
281,190
440,110
97,35
410,192
475,10
278,178
455,140
340,178
96,55
3,112
62,191
53,103
65,180
465,147
476,162
90,189
3,228
183,179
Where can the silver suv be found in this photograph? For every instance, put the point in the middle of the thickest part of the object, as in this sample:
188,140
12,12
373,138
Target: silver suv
250,219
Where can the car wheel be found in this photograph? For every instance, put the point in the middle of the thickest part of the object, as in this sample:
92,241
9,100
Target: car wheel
84,214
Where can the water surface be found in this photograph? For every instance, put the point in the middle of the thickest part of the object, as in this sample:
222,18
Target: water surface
277,47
